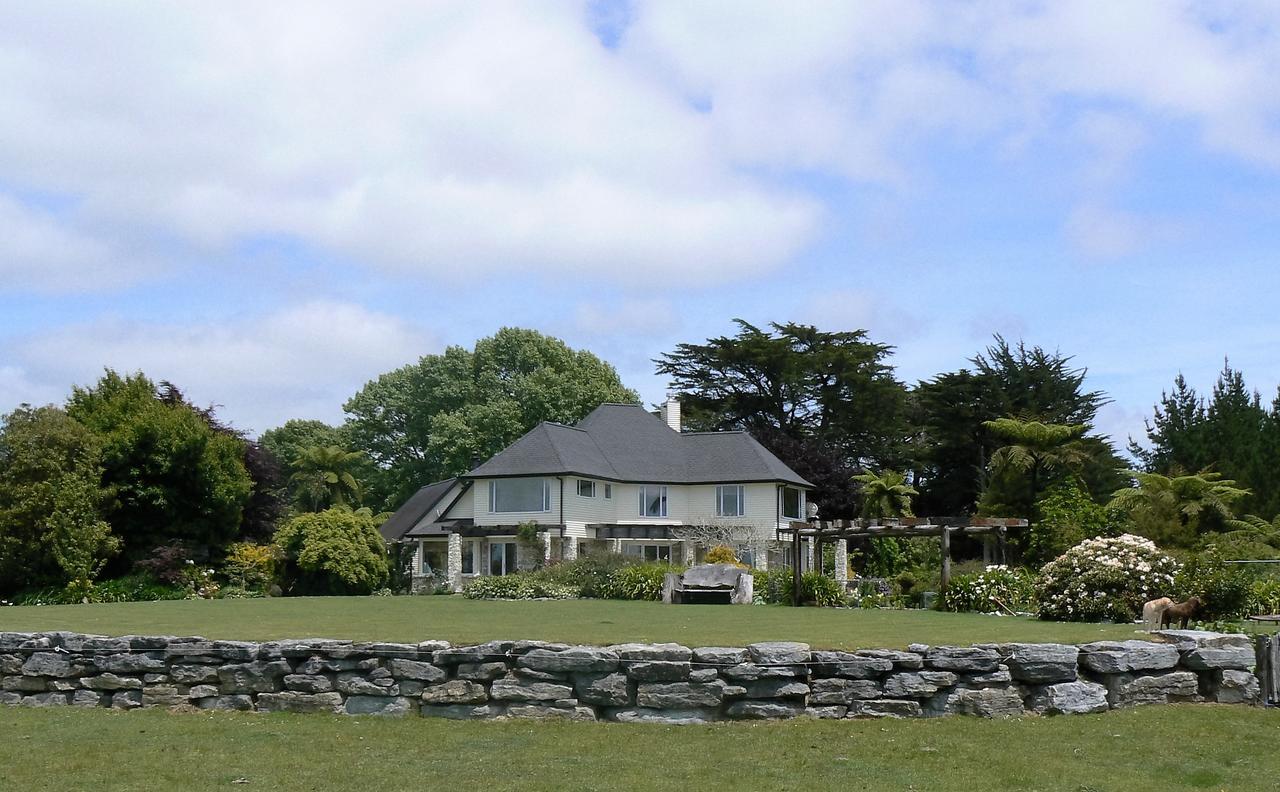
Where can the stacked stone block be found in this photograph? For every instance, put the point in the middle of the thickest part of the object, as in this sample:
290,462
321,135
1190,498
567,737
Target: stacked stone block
636,682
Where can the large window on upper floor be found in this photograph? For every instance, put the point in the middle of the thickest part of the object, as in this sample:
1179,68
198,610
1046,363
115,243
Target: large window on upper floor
793,503
653,500
729,500
519,495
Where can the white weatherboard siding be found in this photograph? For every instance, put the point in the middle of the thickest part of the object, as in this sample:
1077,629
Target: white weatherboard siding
687,504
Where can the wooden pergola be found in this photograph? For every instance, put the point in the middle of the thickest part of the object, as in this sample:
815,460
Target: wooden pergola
820,531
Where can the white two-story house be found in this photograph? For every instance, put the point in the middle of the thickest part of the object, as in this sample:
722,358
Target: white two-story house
622,480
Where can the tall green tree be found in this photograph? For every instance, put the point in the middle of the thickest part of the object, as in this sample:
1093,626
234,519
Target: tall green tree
954,446
327,476
442,415
1232,431
1174,510
51,500
885,494
826,403
175,478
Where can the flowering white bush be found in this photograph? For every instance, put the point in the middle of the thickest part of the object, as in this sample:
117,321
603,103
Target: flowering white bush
991,591
1104,579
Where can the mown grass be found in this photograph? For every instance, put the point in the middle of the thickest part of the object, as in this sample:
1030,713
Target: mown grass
1155,748
409,619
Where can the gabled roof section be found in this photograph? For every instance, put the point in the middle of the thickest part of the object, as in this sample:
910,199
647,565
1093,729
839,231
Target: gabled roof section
625,442
418,506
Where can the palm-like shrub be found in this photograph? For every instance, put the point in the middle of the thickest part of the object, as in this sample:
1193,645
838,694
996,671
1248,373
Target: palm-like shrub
1104,579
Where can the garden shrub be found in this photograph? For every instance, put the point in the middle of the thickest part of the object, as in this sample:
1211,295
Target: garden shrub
721,554
639,581
519,586
589,575
821,590
990,591
131,588
1225,590
1104,579
336,551
774,587
1264,596
251,567
771,586
1067,516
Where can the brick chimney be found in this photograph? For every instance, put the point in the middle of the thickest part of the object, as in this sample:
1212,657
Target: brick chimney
671,412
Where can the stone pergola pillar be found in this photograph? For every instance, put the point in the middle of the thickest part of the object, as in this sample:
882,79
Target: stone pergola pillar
808,555
842,562
615,546
568,548
546,547
453,563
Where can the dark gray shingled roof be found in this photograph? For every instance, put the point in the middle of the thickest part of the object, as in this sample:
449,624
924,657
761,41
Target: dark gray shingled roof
414,509
625,442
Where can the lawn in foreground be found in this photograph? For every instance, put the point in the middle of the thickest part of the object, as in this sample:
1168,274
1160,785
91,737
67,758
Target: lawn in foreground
1154,748
462,621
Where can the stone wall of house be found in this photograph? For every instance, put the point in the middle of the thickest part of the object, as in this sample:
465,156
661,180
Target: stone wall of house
627,682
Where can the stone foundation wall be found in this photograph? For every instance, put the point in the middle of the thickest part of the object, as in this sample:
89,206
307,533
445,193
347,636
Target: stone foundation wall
627,682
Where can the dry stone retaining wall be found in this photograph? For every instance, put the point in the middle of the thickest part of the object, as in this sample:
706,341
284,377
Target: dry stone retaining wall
627,682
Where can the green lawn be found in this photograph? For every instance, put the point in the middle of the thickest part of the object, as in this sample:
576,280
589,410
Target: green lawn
411,619
1154,748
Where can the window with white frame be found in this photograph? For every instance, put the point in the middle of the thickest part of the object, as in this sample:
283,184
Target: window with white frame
653,500
729,500
586,488
649,552
793,503
502,558
519,495
608,491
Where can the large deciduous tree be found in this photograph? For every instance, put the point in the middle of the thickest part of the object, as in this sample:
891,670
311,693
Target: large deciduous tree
174,476
826,403
51,496
440,416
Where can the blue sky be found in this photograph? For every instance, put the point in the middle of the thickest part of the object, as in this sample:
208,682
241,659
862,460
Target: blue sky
271,207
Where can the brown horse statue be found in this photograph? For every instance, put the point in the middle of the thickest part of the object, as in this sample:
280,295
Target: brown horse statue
1182,613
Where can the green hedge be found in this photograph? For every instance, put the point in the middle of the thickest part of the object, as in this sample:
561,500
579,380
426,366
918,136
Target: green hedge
608,576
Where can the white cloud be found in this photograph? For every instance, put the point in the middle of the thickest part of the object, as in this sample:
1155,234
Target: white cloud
478,139
1106,232
42,253
300,362
437,139
627,318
